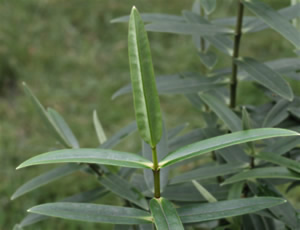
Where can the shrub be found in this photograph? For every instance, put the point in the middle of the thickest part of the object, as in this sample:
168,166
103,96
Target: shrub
235,184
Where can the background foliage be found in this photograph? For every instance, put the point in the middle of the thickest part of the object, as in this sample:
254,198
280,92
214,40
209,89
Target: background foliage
74,59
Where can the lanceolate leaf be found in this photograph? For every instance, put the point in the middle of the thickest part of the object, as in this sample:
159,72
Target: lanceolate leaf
208,172
266,77
45,178
98,127
208,5
223,141
232,121
165,215
46,117
93,156
206,194
86,196
277,114
267,172
119,186
180,83
274,20
279,160
93,213
188,28
146,101
223,209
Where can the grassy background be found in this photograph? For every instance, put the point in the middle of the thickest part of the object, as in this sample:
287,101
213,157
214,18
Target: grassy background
74,59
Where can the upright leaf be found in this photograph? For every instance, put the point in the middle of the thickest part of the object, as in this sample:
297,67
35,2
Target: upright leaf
223,141
266,77
93,156
208,5
46,118
98,127
165,215
277,114
93,213
63,127
146,101
232,121
275,20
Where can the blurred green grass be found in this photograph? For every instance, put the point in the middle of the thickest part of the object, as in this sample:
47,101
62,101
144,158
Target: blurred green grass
74,59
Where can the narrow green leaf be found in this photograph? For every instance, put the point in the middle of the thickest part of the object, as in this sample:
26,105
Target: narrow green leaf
267,172
256,24
152,17
120,135
247,125
146,101
206,194
98,127
93,213
63,127
232,121
46,118
223,141
209,59
208,5
119,186
188,28
266,77
274,20
277,114
165,215
279,160
86,196
178,192
45,178
93,156
235,191
208,172
224,209
180,83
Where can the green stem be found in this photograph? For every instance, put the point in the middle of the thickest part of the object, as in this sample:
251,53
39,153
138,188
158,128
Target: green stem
156,173
237,40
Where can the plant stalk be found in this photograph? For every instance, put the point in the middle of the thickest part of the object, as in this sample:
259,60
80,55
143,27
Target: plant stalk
156,173
237,40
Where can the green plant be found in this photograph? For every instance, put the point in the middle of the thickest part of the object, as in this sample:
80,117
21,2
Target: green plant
240,181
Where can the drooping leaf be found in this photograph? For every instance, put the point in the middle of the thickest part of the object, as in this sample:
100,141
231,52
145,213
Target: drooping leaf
93,213
63,127
277,114
86,196
266,172
165,215
93,156
266,77
152,17
188,28
223,209
274,20
279,160
98,127
206,194
146,101
232,121
45,178
223,141
208,172
162,150
46,118
186,83
119,186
